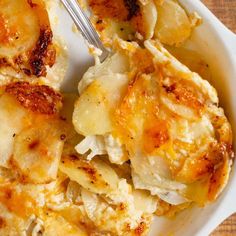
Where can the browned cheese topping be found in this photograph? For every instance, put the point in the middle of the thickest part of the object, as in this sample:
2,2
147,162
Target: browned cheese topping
37,98
26,37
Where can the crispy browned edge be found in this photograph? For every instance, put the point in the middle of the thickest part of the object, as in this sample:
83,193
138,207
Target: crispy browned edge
37,98
42,54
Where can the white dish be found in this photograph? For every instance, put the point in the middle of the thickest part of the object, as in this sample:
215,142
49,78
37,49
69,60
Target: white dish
217,45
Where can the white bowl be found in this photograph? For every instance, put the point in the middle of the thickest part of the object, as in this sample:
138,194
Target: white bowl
217,45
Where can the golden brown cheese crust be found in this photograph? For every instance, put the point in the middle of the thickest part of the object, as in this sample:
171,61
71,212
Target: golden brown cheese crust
37,98
184,94
6,33
11,198
212,165
142,102
35,133
42,53
118,10
2,223
140,229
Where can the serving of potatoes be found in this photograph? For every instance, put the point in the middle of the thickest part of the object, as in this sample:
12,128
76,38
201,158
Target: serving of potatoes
164,20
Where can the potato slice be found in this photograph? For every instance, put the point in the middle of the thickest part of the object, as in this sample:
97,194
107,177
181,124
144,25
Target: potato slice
95,176
57,225
91,114
37,151
125,19
149,14
93,109
20,105
173,25
13,118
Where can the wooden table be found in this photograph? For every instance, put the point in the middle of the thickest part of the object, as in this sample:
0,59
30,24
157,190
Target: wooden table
225,10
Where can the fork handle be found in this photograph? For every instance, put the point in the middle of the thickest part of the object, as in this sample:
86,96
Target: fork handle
84,25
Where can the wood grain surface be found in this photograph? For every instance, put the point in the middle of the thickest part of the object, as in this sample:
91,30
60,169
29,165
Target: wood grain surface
227,228
225,10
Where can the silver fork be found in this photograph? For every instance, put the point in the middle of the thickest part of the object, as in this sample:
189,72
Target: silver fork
84,25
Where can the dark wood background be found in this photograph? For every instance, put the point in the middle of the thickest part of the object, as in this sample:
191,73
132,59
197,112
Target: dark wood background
225,10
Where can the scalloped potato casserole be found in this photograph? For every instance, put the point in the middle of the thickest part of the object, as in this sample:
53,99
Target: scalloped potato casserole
145,137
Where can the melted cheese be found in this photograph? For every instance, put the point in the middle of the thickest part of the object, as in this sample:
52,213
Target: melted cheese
140,105
32,138
125,19
25,38
166,119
